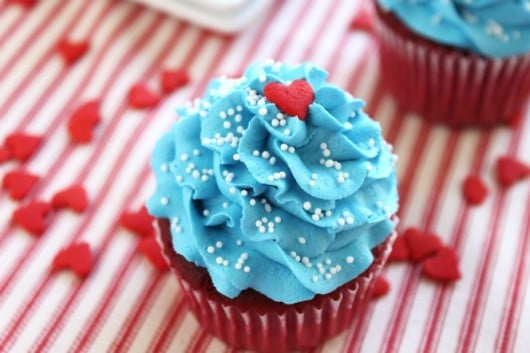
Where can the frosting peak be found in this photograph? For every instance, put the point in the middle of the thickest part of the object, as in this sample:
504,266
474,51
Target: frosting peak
493,28
276,181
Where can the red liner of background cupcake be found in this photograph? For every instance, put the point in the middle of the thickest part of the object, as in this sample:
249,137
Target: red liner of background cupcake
449,85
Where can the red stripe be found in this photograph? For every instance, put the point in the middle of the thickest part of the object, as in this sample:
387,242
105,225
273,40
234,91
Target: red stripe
518,284
127,146
473,317
199,342
8,32
443,295
49,53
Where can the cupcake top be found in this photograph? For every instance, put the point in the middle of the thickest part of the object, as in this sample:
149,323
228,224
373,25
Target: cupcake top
276,181
492,28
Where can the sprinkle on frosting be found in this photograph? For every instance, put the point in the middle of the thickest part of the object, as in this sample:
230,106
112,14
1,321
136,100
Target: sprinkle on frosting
271,199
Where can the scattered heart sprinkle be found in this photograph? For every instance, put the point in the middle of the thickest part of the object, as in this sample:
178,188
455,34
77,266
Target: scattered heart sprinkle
475,190
150,248
421,244
83,121
72,51
19,183
141,97
73,197
364,17
77,257
22,146
139,222
33,216
171,80
443,266
381,287
511,170
400,250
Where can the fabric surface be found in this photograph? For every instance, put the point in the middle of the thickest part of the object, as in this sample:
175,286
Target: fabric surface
126,304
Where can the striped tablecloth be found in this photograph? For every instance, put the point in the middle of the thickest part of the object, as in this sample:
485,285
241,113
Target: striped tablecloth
126,304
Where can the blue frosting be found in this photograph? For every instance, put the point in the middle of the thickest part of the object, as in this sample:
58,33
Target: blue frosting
288,207
493,28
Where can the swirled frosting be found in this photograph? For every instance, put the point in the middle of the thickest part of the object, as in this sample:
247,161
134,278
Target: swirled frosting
268,201
493,28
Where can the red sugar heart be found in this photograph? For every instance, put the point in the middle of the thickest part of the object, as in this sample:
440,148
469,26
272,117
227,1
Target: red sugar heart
421,244
25,3
72,51
22,146
73,197
5,154
475,190
364,17
77,257
141,97
150,248
400,250
33,216
381,287
444,266
511,170
19,183
83,120
139,222
293,99
170,80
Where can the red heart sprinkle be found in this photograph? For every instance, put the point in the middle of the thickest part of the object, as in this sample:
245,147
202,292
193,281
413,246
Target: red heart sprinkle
73,197
5,154
19,183
364,17
511,170
72,51
444,266
33,216
293,99
150,248
400,250
25,3
474,189
170,80
140,97
22,146
421,244
139,222
77,257
381,287
83,121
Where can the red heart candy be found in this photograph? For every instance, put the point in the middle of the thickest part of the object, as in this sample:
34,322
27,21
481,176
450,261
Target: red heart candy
140,97
364,17
5,154
33,216
77,257
72,51
511,170
293,99
83,121
474,189
22,146
150,248
400,250
170,80
73,197
139,222
381,287
19,183
25,3
421,244
444,266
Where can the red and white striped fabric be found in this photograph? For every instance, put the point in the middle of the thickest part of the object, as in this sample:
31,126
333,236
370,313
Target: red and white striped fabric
126,304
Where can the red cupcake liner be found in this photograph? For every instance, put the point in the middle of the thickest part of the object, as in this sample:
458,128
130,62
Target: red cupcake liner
448,85
253,321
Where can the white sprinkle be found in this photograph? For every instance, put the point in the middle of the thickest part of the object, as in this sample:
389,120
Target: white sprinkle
312,183
236,157
252,202
349,220
333,270
239,242
315,217
184,157
301,240
265,154
262,111
341,221
196,152
196,174
231,111
307,205
222,115
206,212
164,200
246,269
238,266
219,260
219,244
315,278
178,178
287,132
327,276
323,146
349,259
244,256
275,122
277,219
328,262
210,249
329,163
291,149
326,153
272,160
284,147
232,190
164,167
227,125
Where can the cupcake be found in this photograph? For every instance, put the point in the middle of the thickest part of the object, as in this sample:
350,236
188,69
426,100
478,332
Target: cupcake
458,62
275,195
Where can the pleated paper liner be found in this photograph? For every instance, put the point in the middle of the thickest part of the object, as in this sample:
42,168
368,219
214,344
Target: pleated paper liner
449,85
252,321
